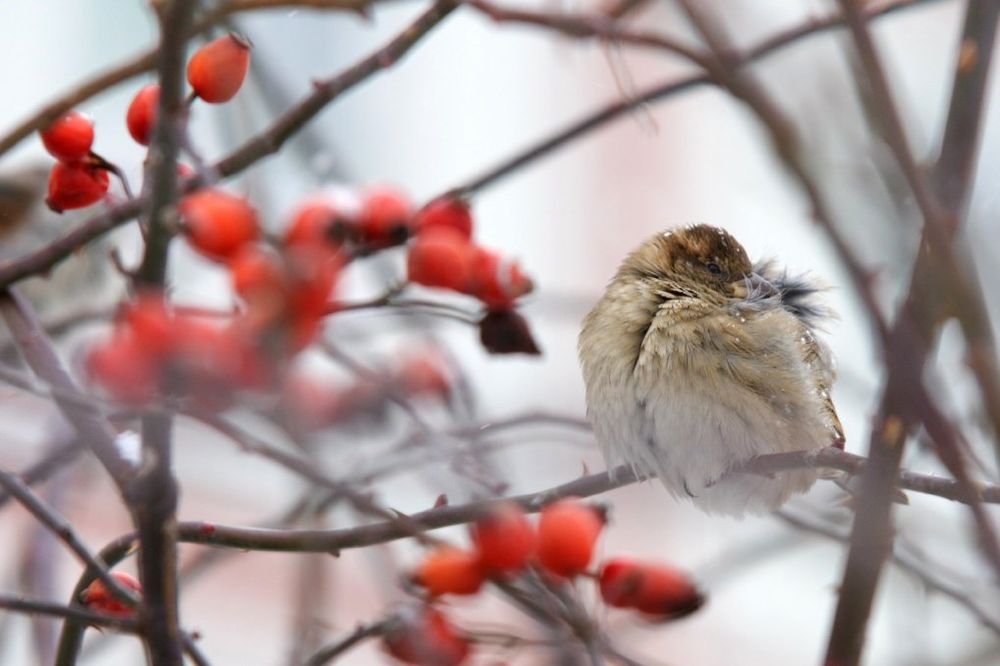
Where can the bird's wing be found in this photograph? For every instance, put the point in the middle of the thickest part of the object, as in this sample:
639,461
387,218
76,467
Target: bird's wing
819,360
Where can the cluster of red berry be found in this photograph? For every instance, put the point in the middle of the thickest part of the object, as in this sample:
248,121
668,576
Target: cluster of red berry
504,544
80,178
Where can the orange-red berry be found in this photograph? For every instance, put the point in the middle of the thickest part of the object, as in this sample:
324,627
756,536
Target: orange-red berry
76,185
425,374
655,589
98,598
446,212
424,637
141,116
385,218
321,222
150,321
218,224
450,571
123,366
441,258
567,533
497,281
70,137
216,71
505,539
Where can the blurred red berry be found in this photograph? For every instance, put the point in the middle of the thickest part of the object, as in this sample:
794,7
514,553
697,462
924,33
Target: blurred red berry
122,365
216,70
385,218
150,321
447,213
141,116
76,185
218,224
258,277
497,281
425,374
567,533
98,598
70,137
450,571
505,539
441,258
424,637
321,221
654,589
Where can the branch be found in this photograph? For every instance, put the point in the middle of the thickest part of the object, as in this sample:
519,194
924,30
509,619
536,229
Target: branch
264,144
586,25
146,61
664,91
954,169
40,356
79,614
58,525
907,563
46,257
325,91
330,652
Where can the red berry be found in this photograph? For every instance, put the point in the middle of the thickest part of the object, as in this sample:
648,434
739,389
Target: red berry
321,222
98,598
655,589
441,258
122,365
69,138
497,281
141,116
150,322
76,185
424,637
385,218
424,375
216,71
446,212
450,571
218,224
505,539
259,278
567,532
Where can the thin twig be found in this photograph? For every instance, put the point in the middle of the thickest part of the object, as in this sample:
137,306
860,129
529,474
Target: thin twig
82,615
330,652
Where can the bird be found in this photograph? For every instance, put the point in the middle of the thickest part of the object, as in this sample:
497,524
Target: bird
696,360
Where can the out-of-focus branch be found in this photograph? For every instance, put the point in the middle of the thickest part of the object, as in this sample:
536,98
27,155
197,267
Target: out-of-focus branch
81,615
955,166
324,91
911,565
41,357
58,525
46,257
152,493
586,25
146,61
264,144
665,91
330,652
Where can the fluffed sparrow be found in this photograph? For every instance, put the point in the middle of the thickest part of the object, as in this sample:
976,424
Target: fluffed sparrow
696,361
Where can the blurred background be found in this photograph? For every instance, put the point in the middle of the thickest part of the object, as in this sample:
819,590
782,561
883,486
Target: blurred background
471,95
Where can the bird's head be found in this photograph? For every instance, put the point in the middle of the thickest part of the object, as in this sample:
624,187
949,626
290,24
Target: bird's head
698,261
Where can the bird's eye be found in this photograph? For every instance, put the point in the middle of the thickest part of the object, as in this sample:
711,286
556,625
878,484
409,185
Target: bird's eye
713,268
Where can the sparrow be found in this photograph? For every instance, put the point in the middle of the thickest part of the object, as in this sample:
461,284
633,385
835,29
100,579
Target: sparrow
696,361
